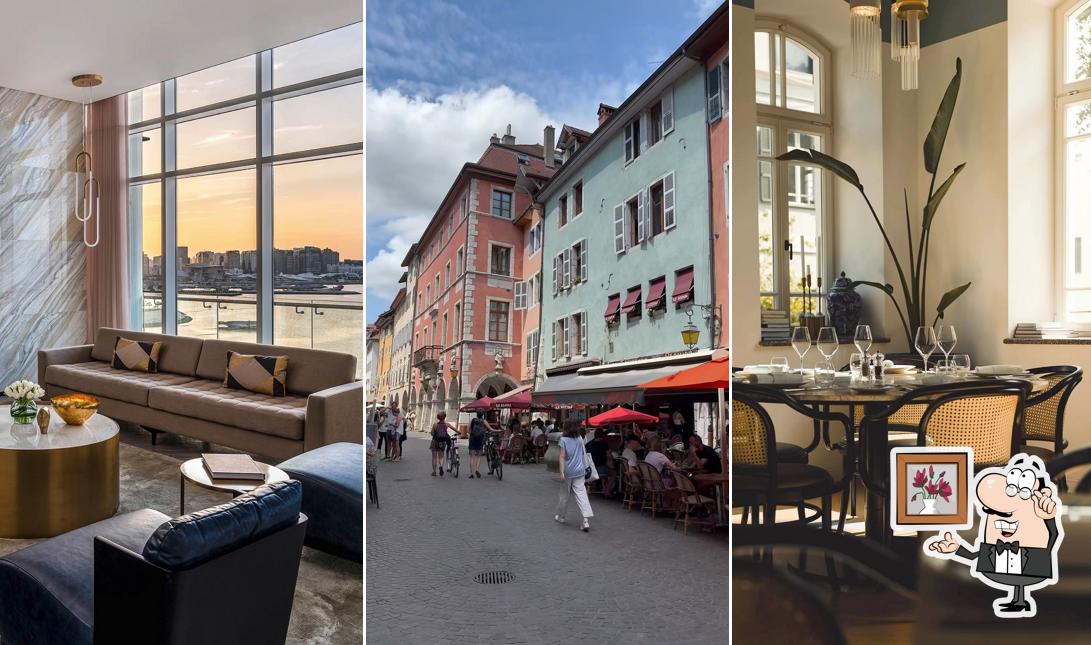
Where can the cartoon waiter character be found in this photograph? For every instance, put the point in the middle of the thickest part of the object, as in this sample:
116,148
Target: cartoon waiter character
1018,536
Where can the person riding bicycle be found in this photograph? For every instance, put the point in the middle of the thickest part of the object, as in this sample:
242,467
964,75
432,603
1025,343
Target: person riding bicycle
441,438
479,428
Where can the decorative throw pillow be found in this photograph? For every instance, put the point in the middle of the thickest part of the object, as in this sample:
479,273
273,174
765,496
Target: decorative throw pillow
136,355
261,374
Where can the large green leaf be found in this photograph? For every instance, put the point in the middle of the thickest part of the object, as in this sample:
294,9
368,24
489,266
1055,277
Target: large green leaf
933,204
933,143
836,166
950,297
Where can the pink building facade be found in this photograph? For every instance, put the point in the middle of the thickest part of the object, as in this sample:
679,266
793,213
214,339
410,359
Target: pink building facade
716,90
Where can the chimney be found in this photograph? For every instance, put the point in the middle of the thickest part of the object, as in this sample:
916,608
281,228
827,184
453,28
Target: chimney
605,112
494,138
549,146
507,139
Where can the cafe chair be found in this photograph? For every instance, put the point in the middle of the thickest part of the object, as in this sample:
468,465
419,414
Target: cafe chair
1043,417
634,488
761,481
1057,467
689,500
656,494
538,451
516,445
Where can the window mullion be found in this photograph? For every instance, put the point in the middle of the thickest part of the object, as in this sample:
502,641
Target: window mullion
168,199
264,178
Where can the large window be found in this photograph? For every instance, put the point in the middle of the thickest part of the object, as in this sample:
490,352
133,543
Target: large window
1074,158
499,317
793,232
250,174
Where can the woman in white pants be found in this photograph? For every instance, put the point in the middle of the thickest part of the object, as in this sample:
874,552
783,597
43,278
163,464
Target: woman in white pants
573,466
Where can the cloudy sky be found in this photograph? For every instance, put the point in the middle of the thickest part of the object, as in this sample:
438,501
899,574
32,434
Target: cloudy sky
442,75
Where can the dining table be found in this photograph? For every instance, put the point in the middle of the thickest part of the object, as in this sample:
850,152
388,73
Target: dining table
875,447
716,481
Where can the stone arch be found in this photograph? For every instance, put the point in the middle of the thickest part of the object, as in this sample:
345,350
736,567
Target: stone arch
494,385
440,400
454,396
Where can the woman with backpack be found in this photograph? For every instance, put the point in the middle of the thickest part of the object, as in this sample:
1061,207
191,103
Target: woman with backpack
441,437
478,427
573,466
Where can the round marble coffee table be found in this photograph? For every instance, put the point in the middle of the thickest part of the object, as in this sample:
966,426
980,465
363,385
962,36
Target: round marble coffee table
194,472
55,482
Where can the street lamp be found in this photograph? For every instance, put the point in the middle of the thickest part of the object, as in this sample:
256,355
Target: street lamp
691,336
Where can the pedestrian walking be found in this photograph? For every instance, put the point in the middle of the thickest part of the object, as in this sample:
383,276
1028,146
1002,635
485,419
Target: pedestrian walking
441,438
478,427
573,467
392,422
380,421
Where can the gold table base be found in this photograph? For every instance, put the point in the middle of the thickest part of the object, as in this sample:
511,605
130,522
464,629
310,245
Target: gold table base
48,492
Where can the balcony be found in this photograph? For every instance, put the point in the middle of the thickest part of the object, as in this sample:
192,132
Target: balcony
427,358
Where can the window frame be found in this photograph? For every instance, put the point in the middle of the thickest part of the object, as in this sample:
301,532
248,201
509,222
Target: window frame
577,204
511,259
511,203
825,99
488,319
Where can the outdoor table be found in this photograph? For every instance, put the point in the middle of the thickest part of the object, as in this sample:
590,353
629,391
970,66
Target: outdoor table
717,481
873,438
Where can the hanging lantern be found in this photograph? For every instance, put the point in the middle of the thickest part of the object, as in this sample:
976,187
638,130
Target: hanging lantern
88,191
690,334
866,37
905,37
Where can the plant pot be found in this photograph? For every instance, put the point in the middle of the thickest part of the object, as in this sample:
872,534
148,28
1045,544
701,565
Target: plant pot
23,410
929,507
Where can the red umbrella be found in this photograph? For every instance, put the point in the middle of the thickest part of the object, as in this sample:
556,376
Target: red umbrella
519,401
483,404
621,415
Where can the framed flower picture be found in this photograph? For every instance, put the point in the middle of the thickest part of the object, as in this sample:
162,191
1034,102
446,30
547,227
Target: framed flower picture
930,488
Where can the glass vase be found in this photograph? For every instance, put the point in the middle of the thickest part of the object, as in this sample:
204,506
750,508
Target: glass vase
23,410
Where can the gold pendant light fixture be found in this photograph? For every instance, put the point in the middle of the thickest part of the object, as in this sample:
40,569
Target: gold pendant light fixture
905,37
865,37
88,191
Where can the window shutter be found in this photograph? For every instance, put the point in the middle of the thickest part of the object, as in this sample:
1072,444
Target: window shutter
554,341
644,129
583,333
566,268
520,295
567,322
583,261
668,201
715,106
556,273
619,229
667,109
628,141
640,208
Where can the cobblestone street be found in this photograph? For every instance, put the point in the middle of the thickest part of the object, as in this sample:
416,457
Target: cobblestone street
632,579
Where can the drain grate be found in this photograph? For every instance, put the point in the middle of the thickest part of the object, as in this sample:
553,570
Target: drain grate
493,577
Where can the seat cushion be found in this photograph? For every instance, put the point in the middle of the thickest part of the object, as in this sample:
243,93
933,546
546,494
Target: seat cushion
280,416
789,453
177,354
791,478
98,378
333,496
189,540
309,370
47,590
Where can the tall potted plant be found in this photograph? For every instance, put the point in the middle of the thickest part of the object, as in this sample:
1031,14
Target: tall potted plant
914,281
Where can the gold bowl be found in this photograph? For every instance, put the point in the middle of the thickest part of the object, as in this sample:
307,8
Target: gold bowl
75,409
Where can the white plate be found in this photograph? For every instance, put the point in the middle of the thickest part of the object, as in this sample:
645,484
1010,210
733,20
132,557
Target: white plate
899,369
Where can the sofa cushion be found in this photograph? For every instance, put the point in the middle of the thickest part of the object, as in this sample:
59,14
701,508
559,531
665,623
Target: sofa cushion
136,355
333,496
310,371
198,537
280,416
261,374
102,380
48,588
179,354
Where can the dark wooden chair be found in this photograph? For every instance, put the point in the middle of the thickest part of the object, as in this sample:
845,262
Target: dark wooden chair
689,500
516,452
656,494
1082,457
538,450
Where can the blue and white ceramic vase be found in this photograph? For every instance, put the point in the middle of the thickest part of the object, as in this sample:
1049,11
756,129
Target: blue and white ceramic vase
844,306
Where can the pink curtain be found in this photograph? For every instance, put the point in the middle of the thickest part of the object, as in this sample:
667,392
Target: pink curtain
108,262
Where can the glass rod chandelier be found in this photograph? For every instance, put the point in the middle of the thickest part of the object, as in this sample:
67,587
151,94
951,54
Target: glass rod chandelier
88,191
866,37
905,37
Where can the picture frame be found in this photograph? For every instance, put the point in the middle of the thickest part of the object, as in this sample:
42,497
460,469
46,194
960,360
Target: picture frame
918,469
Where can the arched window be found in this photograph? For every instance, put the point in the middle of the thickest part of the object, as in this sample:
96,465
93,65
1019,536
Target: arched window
793,109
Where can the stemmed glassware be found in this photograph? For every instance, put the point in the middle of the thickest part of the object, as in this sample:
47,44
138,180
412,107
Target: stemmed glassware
801,343
925,342
946,339
862,339
827,346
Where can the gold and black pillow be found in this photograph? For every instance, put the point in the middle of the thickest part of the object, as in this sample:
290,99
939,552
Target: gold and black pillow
136,355
261,374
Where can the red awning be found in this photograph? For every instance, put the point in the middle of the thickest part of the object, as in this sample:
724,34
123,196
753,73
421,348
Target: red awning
632,299
481,405
655,293
707,376
612,307
683,286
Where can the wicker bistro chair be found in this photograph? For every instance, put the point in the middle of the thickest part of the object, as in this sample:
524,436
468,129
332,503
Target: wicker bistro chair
517,449
688,500
760,480
538,450
1043,417
633,487
984,415
657,497
1077,458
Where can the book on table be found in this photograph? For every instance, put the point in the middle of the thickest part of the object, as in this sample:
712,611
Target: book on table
230,466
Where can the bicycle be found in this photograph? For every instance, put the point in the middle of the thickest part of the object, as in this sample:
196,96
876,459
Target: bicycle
452,457
492,456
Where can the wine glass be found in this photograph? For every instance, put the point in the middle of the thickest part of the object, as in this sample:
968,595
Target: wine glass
801,342
925,342
961,364
780,364
862,339
827,344
946,339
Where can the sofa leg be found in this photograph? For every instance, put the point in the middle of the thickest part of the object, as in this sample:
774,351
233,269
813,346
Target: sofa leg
154,433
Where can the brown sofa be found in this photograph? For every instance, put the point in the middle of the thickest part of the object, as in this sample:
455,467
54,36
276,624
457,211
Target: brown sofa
324,404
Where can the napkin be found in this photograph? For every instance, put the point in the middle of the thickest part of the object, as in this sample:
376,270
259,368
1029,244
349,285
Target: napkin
999,370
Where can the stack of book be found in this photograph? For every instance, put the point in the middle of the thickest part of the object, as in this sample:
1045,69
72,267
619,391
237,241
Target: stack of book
775,326
232,466
1050,330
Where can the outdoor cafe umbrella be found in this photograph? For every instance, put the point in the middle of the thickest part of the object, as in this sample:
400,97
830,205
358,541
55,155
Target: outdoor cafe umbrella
621,415
483,404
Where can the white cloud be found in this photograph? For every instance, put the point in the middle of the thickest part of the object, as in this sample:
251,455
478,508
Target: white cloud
385,268
704,8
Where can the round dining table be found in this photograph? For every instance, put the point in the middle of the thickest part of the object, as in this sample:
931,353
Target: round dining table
717,481
873,436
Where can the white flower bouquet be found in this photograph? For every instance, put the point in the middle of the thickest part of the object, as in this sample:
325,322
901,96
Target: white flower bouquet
24,390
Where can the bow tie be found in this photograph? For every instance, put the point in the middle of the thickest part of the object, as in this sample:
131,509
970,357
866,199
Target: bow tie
1001,545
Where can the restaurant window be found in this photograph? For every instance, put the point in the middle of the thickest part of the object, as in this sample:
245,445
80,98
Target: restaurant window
499,315
577,199
563,204
499,259
793,198
501,203
1073,94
